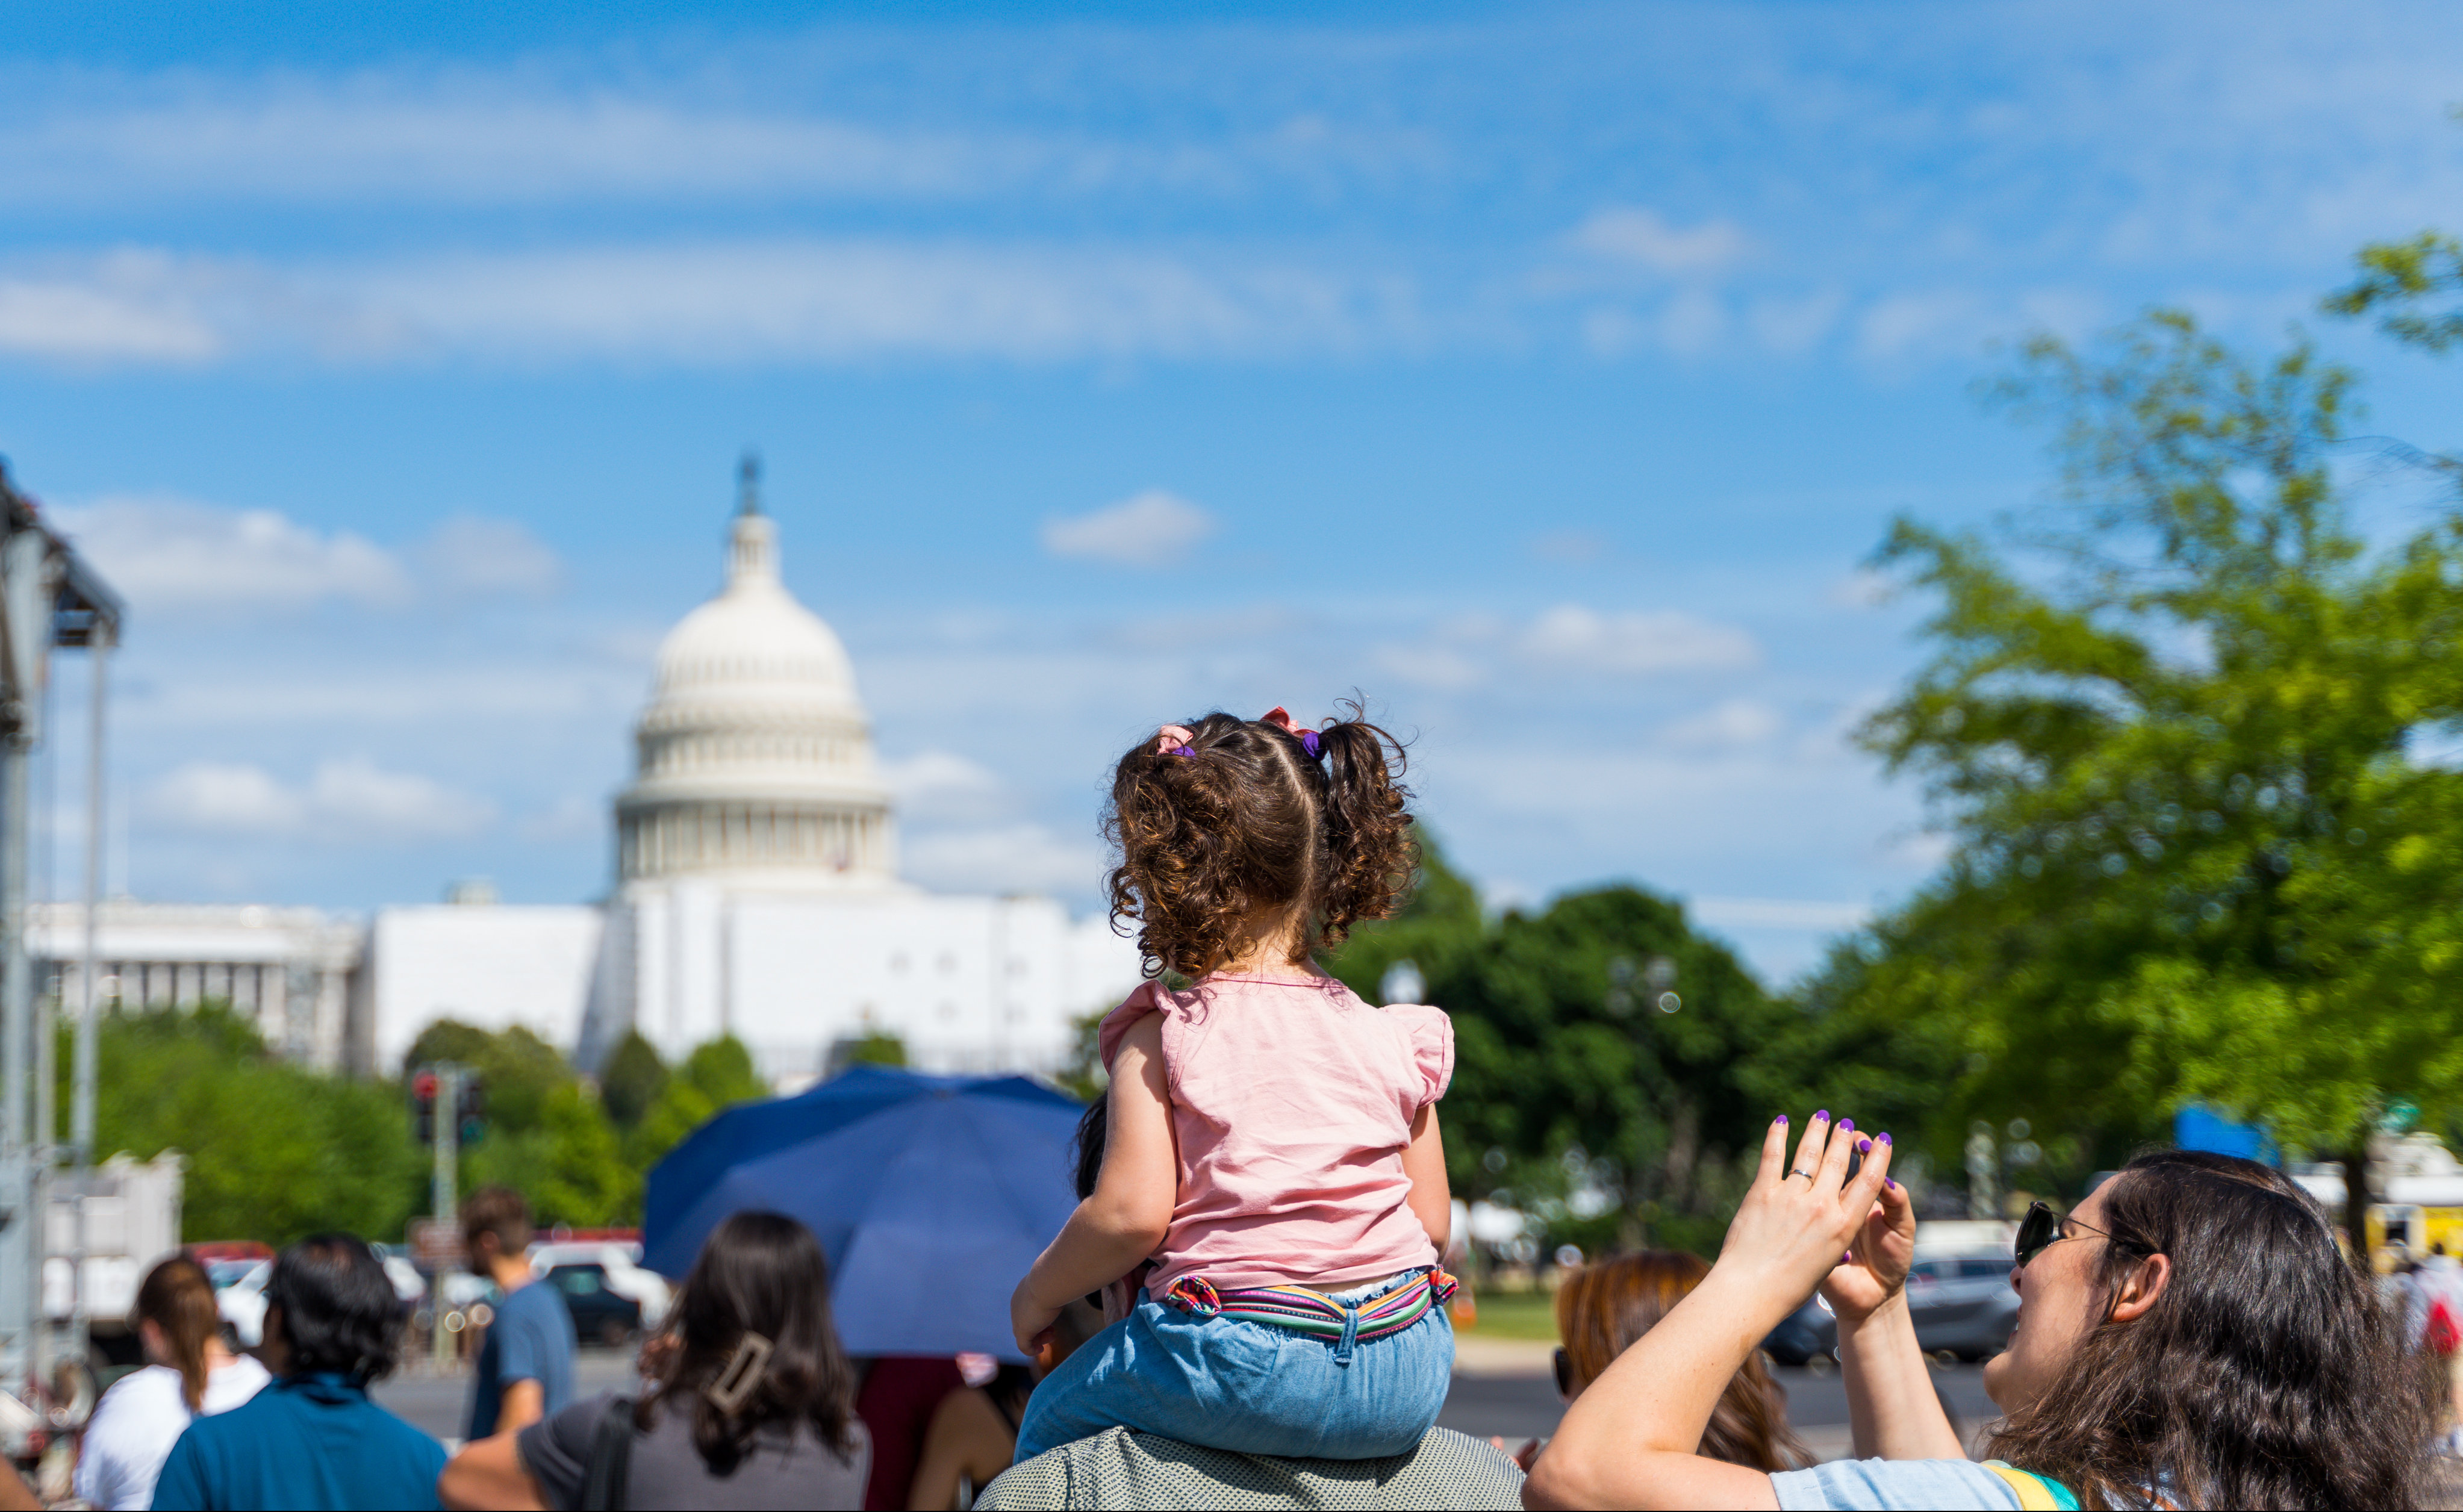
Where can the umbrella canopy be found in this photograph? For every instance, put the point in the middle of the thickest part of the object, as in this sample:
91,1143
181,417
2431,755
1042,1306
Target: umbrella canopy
931,1196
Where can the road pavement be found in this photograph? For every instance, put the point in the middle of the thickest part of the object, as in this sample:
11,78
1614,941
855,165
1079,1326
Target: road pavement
1503,1387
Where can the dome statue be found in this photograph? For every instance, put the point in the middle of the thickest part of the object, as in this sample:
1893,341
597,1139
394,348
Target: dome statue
754,760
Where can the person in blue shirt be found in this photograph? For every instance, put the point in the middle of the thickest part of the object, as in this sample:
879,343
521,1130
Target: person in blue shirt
313,1438
526,1362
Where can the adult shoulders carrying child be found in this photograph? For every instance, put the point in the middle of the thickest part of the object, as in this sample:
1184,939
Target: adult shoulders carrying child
1272,1148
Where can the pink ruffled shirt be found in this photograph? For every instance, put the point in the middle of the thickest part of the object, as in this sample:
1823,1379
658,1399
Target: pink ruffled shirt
1291,1104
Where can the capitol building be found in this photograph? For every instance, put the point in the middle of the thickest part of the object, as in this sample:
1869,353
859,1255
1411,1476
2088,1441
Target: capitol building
756,893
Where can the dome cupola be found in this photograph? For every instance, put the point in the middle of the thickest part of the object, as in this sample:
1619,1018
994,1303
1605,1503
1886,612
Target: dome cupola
754,760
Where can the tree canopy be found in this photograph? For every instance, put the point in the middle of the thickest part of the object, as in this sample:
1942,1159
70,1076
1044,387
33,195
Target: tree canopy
2173,734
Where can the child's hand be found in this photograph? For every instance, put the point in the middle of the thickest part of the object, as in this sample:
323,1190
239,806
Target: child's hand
1030,1320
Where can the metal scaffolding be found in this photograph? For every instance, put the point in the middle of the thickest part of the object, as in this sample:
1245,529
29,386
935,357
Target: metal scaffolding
48,598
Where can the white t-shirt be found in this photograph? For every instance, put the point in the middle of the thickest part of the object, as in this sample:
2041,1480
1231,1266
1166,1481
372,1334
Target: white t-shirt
138,1421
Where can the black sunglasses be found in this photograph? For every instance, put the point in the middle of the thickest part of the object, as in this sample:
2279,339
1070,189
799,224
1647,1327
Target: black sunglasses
1565,1375
2040,1230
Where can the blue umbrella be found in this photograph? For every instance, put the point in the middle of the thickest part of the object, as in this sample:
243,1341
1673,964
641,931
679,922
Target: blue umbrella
931,1196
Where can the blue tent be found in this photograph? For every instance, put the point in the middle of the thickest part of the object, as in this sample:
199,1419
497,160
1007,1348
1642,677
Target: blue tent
931,1196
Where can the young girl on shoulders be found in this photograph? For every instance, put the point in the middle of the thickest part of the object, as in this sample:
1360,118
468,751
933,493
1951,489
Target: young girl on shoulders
1272,1145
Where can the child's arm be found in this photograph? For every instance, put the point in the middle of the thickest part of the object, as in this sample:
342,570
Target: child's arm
1130,1211
1423,1161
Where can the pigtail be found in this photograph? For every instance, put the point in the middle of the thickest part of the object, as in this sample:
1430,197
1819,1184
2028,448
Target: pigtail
1368,855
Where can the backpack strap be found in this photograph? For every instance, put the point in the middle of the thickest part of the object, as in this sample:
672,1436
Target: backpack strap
611,1457
2035,1493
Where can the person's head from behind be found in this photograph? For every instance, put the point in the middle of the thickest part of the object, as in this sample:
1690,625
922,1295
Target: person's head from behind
330,1309
2192,1326
1231,831
750,1342
177,1320
1604,1306
495,1226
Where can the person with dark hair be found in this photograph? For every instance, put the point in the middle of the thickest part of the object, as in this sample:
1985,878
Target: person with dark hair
188,1374
1272,1140
751,1400
2189,1336
1604,1306
525,1360
313,1438
974,1433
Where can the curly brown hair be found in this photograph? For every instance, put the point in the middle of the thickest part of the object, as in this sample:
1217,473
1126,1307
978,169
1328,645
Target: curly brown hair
1249,825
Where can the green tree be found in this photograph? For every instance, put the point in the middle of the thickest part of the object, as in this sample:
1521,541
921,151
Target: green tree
632,1079
717,1075
878,1047
1583,1065
517,1070
274,1150
584,1179
2168,738
1440,924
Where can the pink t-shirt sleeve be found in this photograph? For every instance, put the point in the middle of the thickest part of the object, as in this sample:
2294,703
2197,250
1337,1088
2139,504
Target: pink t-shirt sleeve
1432,1047
1115,1024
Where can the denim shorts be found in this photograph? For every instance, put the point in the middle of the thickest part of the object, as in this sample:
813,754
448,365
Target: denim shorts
1250,1388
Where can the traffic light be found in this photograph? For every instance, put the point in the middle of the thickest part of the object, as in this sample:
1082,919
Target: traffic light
470,1118
422,1107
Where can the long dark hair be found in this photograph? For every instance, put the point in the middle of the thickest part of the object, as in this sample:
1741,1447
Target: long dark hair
1250,821
757,1273
1603,1307
2267,1374
178,1297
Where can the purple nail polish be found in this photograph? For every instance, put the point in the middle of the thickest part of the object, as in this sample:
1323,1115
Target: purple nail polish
1864,1147
1885,1136
1848,1258
1823,1113
1847,1126
1780,1119
1887,1183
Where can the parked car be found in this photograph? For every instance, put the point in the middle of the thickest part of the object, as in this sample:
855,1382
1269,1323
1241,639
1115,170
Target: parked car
242,1304
599,1310
1962,1305
626,1277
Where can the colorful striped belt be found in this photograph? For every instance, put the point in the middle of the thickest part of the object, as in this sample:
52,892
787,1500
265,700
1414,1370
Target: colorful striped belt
1302,1310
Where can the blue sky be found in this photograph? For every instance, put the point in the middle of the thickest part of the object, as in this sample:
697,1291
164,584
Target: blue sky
1544,373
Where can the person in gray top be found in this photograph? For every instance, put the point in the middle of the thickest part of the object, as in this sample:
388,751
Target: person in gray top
751,1400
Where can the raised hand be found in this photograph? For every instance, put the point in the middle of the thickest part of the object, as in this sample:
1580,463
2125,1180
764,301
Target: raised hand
1799,1218
1876,1269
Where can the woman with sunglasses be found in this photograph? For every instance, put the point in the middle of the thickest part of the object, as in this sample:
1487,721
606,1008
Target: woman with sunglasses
2189,1336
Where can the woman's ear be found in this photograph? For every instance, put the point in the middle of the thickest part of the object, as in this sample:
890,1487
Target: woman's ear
2141,1287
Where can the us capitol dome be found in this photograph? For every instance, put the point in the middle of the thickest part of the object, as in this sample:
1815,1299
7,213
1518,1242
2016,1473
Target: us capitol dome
754,760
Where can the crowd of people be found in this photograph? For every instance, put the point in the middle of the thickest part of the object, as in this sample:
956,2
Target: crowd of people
1248,1299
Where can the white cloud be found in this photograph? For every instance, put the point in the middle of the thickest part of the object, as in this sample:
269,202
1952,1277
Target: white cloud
171,553
709,303
344,800
1010,858
1470,651
484,558
1629,235
937,786
167,554
1575,638
89,321
1153,528
1732,724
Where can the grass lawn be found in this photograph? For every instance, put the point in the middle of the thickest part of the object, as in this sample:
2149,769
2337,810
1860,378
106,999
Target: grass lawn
1515,1316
